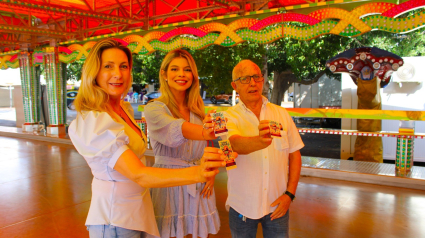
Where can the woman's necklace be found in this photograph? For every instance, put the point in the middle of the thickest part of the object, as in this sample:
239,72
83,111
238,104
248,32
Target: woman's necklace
120,113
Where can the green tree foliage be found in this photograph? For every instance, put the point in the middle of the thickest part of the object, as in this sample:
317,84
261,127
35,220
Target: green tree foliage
404,45
410,44
287,60
302,62
73,70
215,63
293,61
146,68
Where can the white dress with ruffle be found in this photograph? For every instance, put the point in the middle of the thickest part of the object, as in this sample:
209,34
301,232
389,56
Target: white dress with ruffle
181,210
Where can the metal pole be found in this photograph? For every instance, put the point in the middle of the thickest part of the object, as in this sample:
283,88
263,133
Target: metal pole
10,94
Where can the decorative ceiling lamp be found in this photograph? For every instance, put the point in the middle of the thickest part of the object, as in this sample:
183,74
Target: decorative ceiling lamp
381,63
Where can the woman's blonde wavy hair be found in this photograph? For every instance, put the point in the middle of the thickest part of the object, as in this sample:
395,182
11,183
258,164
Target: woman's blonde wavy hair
193,98
91,97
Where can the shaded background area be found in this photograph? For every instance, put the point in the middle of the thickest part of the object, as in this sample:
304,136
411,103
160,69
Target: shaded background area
321,145
317,145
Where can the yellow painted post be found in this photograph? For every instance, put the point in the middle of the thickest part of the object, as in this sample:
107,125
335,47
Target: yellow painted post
404,153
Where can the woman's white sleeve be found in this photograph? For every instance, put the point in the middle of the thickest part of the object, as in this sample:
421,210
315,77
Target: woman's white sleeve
98,138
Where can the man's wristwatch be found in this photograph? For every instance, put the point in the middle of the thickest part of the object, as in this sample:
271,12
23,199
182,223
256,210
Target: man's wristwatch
292,196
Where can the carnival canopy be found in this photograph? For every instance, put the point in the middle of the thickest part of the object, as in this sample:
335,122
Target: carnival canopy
39,21
74,26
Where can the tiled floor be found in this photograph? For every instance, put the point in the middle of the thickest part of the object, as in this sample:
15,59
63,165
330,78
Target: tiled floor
45,192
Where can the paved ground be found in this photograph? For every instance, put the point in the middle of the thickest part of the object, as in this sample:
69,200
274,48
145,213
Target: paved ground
7,116
320,145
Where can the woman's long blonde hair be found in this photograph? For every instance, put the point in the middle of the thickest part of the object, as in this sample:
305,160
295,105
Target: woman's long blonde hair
91,97
193,98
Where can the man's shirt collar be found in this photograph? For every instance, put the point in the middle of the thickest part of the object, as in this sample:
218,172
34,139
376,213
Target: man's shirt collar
264,103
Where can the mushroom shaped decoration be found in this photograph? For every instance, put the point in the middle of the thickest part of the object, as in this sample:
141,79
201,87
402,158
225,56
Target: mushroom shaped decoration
371,69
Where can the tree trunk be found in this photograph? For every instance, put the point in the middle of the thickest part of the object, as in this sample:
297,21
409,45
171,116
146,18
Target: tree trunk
266,85
281,82
368,148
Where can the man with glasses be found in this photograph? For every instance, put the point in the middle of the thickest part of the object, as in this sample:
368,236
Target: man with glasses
262,187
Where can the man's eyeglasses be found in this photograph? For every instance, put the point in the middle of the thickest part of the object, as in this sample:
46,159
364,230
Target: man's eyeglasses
247,79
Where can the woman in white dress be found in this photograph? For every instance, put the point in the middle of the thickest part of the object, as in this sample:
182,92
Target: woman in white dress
179,130
106,135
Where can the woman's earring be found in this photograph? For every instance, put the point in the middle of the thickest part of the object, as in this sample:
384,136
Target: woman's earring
166,80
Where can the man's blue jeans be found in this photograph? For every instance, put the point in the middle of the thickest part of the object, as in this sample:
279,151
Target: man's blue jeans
278,228
109,231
